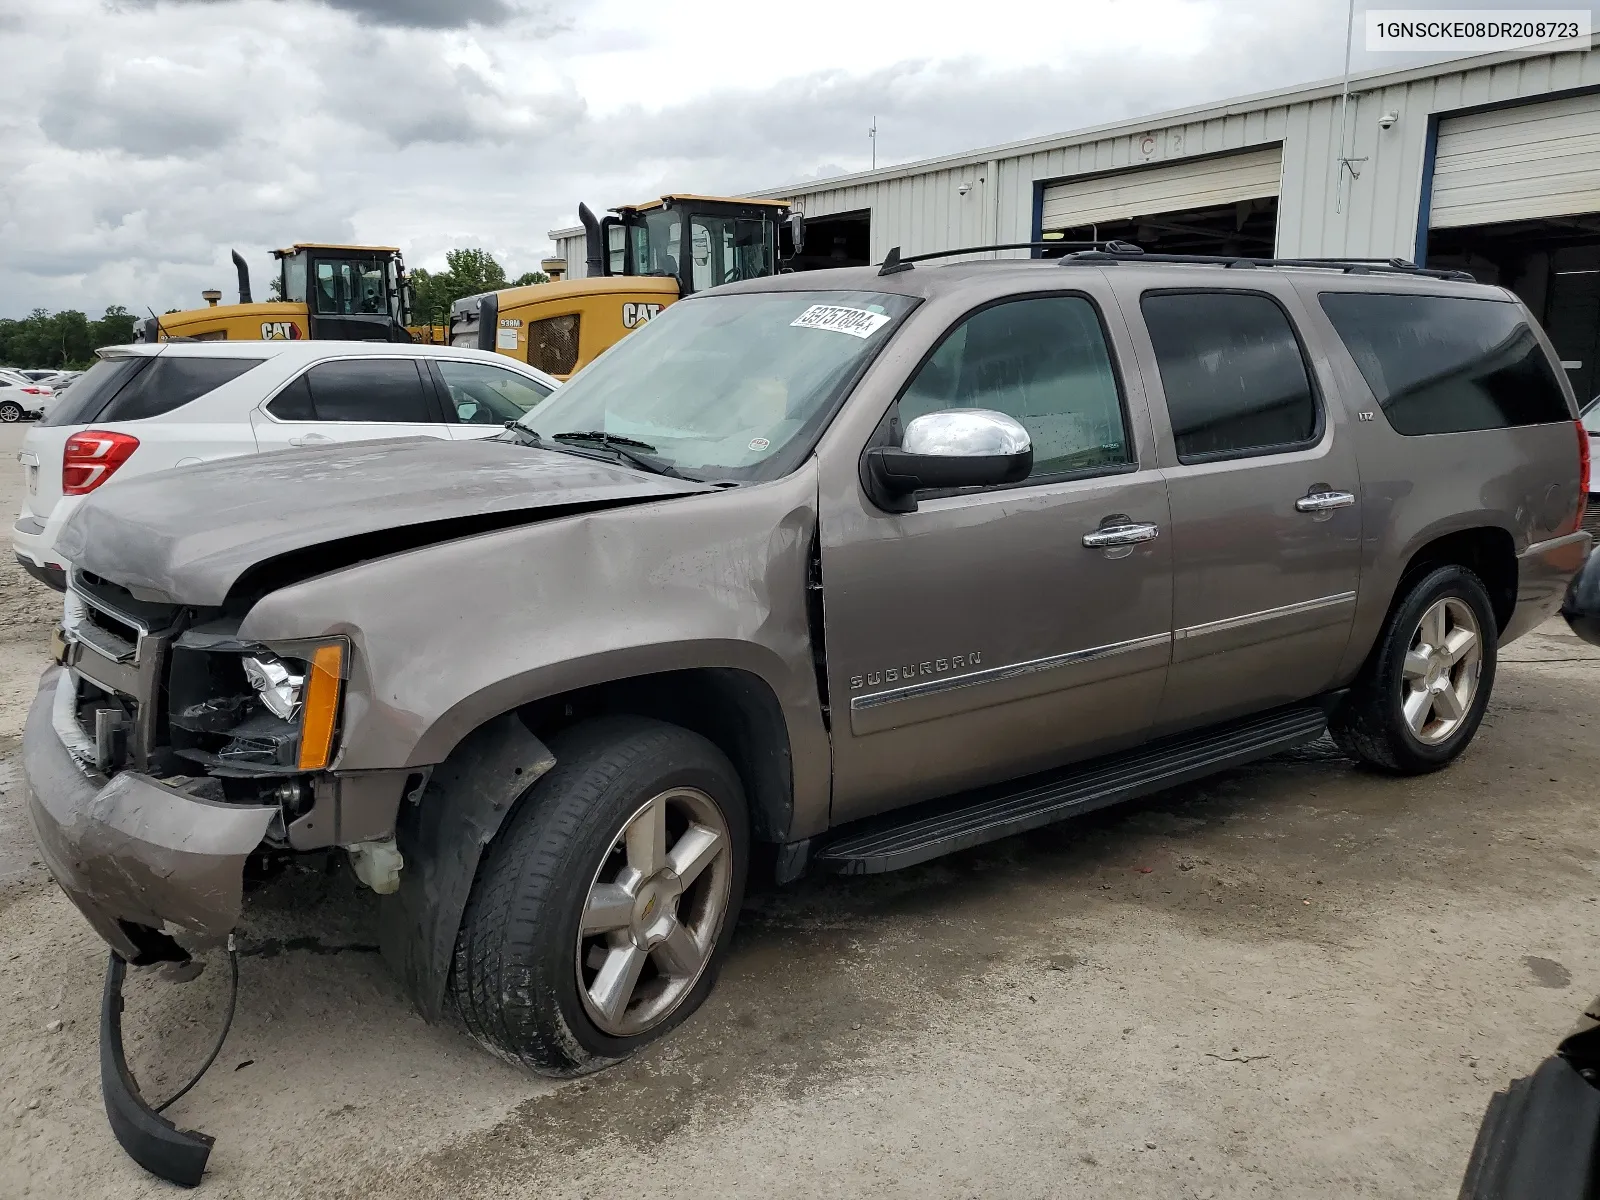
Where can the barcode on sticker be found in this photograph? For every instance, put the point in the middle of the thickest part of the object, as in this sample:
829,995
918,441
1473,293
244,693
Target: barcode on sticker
857,322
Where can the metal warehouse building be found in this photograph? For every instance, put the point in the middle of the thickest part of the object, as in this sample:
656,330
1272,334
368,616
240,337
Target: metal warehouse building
1488,163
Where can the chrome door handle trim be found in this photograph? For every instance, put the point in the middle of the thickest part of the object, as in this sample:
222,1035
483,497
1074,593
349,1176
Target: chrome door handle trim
1121,535
1317,502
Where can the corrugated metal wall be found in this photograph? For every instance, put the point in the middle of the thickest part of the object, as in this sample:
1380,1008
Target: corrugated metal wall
924,210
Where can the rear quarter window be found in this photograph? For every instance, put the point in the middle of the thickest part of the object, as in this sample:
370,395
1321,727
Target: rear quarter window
131,389
1448,364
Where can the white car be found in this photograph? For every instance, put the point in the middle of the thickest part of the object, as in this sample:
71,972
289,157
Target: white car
21,397
152,407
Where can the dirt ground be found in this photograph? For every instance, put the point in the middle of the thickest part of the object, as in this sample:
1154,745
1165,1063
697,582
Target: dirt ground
1293,980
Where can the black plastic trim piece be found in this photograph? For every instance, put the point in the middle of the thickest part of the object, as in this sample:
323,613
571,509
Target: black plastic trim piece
156,1144
51,577
972,818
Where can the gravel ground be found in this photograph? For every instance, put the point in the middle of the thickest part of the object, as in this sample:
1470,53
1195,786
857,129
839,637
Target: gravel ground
1296,979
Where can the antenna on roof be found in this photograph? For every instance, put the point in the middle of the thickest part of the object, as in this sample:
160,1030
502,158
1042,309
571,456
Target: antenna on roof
873,134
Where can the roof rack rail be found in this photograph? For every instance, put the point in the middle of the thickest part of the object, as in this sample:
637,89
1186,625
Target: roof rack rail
1119,252
893,263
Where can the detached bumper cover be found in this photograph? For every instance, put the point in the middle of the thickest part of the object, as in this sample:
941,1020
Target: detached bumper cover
1538,1140
134,851
151,1140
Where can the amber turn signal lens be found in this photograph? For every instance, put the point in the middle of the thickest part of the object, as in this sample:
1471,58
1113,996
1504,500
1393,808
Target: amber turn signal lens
321,707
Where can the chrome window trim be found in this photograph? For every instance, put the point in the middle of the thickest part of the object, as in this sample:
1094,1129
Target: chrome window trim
1033,666
1266,614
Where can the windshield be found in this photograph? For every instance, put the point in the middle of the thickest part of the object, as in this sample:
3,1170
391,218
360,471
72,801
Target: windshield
655,244
294,278
727,388
726,249
350,287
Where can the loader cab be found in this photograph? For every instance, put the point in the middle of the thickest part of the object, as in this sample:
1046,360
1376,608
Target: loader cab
350,292
699,241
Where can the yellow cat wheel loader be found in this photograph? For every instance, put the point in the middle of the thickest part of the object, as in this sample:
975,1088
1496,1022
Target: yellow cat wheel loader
327,292
640,258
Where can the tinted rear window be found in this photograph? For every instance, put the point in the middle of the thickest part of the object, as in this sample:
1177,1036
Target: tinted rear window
1234,375
93,389
1448,364
145,387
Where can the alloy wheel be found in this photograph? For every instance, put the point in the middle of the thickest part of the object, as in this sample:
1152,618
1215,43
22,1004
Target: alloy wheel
654,911
1439,678
10,413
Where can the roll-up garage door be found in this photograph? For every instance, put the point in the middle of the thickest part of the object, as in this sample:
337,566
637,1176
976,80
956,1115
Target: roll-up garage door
1175,187
1515,164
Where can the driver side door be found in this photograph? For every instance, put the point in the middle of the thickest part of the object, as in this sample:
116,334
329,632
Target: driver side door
990,633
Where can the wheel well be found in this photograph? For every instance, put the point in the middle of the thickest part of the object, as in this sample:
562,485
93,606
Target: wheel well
1489,553
735,710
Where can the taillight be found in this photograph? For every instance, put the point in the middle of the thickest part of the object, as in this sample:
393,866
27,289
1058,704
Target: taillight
36,391
1583,475
92,457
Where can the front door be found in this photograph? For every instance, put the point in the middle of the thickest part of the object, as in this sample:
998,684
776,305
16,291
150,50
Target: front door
350,400
1262,474
999,631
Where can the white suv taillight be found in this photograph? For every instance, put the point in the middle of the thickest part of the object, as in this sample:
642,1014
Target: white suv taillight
92,457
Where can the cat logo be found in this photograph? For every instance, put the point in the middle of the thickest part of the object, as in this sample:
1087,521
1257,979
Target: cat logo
279,331
634,315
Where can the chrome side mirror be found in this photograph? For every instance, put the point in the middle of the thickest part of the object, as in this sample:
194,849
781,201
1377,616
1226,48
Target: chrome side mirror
954,448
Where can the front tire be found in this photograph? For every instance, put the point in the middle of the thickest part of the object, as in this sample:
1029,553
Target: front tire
10,412
602,911
1421,695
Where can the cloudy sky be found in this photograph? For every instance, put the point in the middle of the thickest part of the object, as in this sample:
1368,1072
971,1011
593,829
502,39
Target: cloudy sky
141,139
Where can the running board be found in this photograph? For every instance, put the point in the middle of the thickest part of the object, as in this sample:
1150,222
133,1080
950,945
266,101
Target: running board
926,831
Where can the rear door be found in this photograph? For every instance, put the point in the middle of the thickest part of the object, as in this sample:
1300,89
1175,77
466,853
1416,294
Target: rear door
1262,475
349,400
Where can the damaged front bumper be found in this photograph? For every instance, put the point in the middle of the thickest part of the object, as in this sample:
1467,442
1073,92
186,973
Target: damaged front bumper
140,859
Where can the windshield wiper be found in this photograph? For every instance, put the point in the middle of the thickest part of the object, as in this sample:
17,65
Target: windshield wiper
623,448
601,436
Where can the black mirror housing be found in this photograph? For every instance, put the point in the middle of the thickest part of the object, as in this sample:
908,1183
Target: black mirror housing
896,475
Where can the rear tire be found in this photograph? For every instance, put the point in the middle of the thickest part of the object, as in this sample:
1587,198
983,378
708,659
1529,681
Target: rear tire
602,911
1419,699
10,412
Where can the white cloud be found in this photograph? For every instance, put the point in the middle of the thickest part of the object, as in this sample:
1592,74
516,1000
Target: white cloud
140,140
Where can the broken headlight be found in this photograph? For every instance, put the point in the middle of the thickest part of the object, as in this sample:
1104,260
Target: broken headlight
281,689
306,691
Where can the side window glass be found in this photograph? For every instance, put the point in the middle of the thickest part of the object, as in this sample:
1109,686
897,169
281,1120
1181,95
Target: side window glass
484,395
369,389
1448,364
171,382
1043,361
294,402
1235,378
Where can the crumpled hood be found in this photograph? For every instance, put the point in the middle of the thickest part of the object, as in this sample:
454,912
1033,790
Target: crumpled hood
186,536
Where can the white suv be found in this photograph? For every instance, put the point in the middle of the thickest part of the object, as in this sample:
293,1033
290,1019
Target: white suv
151,407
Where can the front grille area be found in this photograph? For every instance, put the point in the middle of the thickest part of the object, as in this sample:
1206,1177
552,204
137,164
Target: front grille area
116,652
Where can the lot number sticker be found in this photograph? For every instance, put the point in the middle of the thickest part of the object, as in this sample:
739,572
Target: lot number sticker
857,322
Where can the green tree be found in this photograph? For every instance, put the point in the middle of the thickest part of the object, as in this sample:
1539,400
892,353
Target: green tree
62,340
468,271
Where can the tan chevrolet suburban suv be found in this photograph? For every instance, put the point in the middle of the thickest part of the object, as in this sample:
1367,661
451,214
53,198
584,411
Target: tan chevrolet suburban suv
860,566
